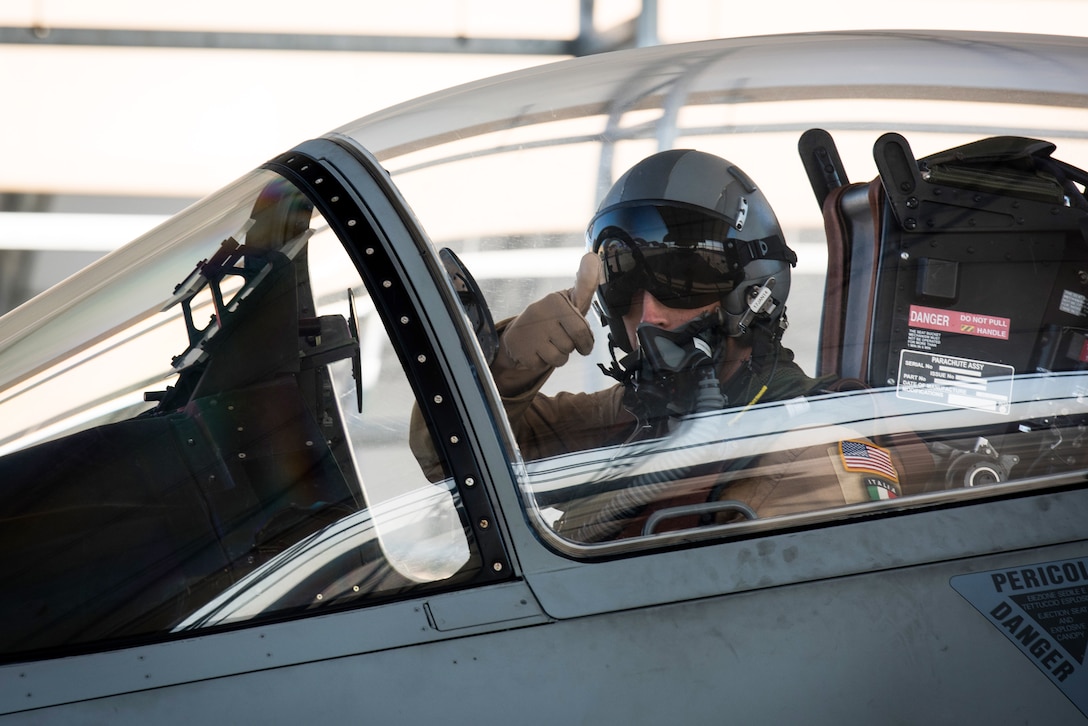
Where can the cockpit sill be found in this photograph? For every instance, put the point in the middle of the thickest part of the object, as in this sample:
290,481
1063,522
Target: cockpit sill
834,516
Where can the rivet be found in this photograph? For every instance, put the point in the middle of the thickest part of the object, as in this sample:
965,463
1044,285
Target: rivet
904,255
241,455
454,439
335,199
437,399
320,596
484,524
351,222
469,481
318,180
403,319
355,588
421,358
370,250
387,284
497,567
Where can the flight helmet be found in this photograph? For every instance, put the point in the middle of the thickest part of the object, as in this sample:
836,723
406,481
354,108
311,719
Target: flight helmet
690,228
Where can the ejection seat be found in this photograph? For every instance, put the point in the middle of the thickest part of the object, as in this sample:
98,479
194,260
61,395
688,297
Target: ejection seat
974,259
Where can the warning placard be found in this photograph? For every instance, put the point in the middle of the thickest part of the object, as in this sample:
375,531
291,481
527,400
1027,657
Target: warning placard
1043,610
952,381
959,321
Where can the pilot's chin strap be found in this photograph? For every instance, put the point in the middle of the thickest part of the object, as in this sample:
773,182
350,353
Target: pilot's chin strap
622,369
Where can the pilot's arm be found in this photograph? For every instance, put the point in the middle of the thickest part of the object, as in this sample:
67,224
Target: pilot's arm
543,336
534,344
817,476
531,346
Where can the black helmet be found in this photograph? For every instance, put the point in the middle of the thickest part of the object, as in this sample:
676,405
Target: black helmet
691,229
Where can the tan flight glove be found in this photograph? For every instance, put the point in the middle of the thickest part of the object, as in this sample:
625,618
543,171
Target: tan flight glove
542,337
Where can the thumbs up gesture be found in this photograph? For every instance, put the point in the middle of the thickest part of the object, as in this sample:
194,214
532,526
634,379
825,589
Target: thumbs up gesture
542,337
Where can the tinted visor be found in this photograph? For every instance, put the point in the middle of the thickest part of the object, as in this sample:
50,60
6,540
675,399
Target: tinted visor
683,256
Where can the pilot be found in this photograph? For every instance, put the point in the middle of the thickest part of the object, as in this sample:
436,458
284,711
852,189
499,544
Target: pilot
691,273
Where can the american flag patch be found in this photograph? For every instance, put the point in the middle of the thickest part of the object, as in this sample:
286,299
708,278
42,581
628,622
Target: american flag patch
868,459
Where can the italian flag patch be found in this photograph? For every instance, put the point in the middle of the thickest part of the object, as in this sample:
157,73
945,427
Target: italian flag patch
879,488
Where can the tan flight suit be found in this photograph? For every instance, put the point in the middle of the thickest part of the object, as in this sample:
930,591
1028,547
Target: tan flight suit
802,479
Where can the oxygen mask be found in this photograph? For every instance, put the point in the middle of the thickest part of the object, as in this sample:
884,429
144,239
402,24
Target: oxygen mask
675,372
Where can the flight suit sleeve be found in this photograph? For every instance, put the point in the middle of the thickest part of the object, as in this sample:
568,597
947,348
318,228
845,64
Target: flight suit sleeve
550,425
531,346
543,425
567,422
852,470
419,441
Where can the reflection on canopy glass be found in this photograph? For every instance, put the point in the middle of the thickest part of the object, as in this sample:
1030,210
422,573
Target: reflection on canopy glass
238,448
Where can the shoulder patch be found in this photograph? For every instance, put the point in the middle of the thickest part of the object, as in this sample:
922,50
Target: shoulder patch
865,458
879,488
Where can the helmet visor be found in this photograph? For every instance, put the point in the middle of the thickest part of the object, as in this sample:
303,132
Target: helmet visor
683,256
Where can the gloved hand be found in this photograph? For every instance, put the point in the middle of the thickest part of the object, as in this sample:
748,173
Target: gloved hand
542,337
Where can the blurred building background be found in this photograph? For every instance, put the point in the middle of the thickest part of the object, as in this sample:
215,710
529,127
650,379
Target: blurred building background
118,113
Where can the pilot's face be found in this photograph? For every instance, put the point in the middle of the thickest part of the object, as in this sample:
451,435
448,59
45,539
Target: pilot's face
645,308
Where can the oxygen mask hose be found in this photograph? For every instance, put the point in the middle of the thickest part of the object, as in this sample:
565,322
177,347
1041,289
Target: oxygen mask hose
668,357
708,392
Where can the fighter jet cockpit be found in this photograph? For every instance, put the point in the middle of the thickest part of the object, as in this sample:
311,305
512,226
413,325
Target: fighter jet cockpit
949,358
552,338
